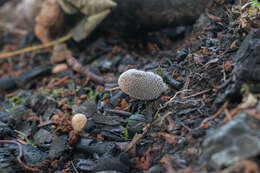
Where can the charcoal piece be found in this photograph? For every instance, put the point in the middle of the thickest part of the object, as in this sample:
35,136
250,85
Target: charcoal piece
16,118
7,83
106,120
173,83
136,123
4,116
8,154
85,165
113,136
32,74
86,108
109,162
33,156
90,147
42,138
5,130
156,169
58,146
40,104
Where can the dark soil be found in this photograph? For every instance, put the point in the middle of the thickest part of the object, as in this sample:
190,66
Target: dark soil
36,106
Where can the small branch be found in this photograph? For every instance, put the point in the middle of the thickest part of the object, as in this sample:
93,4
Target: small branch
37,47
19,157
80,69
136,138
196,94
221,109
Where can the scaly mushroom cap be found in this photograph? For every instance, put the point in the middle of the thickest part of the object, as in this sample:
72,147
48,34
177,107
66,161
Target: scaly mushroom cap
141,85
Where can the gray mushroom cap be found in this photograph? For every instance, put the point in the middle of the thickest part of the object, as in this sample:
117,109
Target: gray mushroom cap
141,85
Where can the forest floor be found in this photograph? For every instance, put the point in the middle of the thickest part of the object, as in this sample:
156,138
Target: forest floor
192,127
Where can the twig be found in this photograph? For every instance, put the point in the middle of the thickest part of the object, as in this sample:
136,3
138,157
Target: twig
19,157
221,109
199,93
37,47
136,138
112,89
78,68
186,86
170,101
74,167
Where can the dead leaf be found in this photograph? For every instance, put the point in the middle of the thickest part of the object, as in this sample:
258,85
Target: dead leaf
144,162
248,101
171,139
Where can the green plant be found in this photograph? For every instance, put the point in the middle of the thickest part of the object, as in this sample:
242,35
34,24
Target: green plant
159,71
15,101
255,4
106,95
244,90
125,133
91,94
11,110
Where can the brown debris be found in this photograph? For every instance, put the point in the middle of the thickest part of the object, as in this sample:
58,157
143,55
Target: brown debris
60,53
166,162
171,139
62,122
145,161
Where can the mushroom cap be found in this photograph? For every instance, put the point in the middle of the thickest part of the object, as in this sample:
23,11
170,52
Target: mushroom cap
78,122
141,85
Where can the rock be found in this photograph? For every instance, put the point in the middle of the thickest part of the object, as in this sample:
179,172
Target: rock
234,141
247,58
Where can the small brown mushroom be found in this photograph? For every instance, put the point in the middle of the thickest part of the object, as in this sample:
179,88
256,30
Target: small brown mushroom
78,122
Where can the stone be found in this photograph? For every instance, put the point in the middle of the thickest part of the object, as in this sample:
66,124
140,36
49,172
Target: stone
236,140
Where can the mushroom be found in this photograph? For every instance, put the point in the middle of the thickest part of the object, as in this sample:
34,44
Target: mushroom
78,122
141,85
